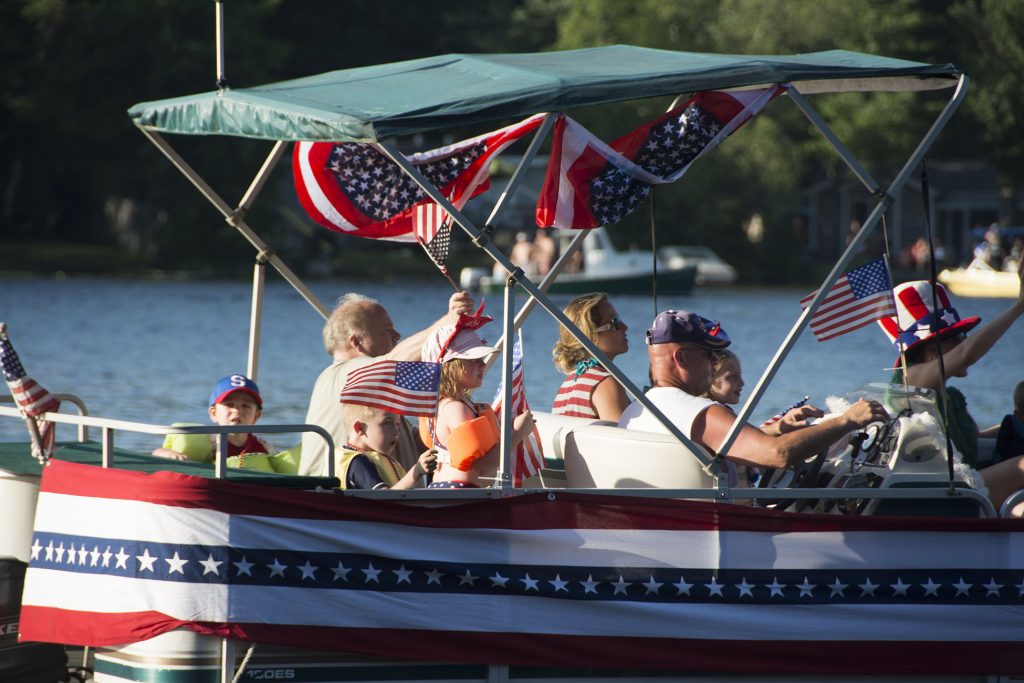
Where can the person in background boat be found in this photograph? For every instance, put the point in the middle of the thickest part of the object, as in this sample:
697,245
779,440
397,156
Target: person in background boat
680,346
235,400
365,461
545,251
989,252
1016,256
465,434
522,254
588,389
727,383
358,332
1010,437
912,328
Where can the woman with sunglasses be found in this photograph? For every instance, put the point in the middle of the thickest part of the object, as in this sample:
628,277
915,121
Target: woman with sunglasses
589,390
924,335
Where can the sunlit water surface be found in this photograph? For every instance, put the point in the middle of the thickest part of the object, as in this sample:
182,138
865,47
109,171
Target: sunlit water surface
150,351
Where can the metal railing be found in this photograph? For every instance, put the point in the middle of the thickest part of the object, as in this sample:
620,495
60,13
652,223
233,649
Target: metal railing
83,430
108,426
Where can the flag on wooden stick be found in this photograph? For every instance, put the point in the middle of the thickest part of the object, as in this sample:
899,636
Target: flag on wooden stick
31,397
529,457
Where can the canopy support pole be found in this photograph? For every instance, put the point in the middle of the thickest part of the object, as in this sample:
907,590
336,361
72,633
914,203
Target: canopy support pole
556,269
512,186
505,468
485,244
259,275
884,199
855,166
235,217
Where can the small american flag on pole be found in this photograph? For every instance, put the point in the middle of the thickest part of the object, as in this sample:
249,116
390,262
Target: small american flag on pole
433,229
429,219
529,458
782,413
402,387
858,298
31,397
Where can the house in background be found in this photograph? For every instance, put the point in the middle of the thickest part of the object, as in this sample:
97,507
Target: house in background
964,195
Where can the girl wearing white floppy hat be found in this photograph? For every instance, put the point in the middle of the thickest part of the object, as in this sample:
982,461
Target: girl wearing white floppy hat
923,334
464,433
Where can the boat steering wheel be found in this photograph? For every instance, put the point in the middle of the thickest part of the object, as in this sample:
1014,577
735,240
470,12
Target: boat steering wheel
878,440
801,474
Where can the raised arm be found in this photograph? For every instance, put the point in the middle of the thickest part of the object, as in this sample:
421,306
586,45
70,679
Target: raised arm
409,348
966,354
757,448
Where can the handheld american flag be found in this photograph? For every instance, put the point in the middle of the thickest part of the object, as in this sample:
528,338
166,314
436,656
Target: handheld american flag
402,387
354,188
31,397
590,183
782,413
433,229
529,455
858,298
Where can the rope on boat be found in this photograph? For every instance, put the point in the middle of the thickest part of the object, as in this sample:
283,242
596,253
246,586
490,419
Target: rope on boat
245,662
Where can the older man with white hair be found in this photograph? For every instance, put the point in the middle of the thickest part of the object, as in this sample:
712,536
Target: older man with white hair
680,347
360,332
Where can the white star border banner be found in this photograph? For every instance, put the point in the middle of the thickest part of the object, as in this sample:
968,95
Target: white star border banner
296,567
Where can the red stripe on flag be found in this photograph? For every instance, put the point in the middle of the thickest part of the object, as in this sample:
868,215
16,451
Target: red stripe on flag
329,192
602,652
842,311
529,511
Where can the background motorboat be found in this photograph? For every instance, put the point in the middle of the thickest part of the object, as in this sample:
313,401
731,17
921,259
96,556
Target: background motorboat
601,267
711,268
980,280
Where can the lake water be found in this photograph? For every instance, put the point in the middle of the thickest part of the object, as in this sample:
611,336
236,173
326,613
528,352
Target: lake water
150,351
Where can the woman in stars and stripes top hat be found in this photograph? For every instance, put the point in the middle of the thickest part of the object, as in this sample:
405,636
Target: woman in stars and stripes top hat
923,334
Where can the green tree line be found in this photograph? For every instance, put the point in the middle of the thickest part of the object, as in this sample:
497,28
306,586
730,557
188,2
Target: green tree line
74,171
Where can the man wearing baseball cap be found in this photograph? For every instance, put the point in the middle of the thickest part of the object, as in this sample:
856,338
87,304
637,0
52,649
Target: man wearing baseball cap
680,346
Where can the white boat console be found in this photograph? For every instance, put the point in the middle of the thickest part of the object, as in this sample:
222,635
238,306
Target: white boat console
905,453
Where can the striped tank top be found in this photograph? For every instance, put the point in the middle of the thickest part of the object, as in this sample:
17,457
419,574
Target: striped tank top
573,397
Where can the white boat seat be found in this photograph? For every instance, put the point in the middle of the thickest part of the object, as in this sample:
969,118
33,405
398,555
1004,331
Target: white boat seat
599,456
553,430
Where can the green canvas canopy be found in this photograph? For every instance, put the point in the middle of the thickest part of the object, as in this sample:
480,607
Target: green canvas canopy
369,104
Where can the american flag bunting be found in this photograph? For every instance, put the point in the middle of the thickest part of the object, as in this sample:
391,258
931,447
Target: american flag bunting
355,189
590,183
555,580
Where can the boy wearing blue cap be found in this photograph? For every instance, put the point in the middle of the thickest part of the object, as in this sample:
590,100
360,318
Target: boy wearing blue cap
235,400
